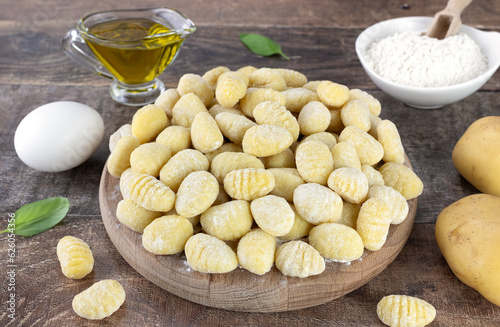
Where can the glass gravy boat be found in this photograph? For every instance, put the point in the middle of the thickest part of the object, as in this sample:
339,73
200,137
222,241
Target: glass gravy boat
132,47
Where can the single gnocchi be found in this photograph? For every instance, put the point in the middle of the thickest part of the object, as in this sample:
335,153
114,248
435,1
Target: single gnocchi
299,259
267,78
266,140
228,221
134,216
333,94
208,254
196,193
286,180
397,203
273,215
297,98
405,311
344,155
249,183
373,223
256,251
150,193
356,113
314,118
369,150
167,235
148,122
402,179
317,204
350,183
314,162
100,300
388,136
175,138
192,83
231,87
213,74
149,158
205,133
336,242
75,257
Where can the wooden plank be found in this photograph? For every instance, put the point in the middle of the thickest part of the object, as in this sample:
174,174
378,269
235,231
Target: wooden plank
318,13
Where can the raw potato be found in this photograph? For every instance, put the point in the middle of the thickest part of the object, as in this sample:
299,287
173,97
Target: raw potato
468,235
477,155
100,300
404,311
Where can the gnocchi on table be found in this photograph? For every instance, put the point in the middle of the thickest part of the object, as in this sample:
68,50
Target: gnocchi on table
289,172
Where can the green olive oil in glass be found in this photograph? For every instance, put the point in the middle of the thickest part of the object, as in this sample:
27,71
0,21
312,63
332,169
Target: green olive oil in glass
130,46
140,62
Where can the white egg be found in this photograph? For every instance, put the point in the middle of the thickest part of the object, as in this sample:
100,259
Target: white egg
58,136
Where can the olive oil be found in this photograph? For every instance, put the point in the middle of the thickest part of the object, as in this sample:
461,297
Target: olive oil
140,48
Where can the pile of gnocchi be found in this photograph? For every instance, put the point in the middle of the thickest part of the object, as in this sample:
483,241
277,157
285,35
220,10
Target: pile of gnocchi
259,167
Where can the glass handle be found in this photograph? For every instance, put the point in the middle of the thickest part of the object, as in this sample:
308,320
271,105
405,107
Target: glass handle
75,47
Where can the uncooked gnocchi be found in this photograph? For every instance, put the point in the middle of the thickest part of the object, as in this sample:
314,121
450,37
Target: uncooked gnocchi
75,257
336,242
148,122
100,300
167,235
299,259
208,254
196,194
256,251
266,140
249,183
273,215
309,163
228,221
405,311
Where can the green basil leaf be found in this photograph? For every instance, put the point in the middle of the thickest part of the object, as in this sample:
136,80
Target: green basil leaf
39,216
261,45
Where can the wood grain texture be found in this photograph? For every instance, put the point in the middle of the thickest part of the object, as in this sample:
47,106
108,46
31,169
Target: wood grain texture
241,290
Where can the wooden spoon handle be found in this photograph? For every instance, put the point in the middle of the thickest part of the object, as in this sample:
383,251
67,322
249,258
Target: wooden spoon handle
457,6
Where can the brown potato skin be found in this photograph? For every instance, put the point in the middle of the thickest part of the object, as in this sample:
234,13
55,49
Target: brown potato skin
476,155
468,235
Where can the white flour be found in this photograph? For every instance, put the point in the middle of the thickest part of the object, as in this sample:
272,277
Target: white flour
414,59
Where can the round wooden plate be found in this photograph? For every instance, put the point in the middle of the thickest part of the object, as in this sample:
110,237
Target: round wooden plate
241,290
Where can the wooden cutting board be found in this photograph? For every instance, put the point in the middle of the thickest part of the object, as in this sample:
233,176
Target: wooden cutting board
241,290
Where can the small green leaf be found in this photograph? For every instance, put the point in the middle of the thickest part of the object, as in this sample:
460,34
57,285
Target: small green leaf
39,216
261,45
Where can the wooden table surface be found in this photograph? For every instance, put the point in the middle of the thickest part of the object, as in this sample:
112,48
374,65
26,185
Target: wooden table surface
319,37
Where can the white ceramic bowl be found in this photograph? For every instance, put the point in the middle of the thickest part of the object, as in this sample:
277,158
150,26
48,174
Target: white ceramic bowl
428,97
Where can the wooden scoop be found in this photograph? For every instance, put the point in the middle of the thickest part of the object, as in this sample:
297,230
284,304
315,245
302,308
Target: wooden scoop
447,21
